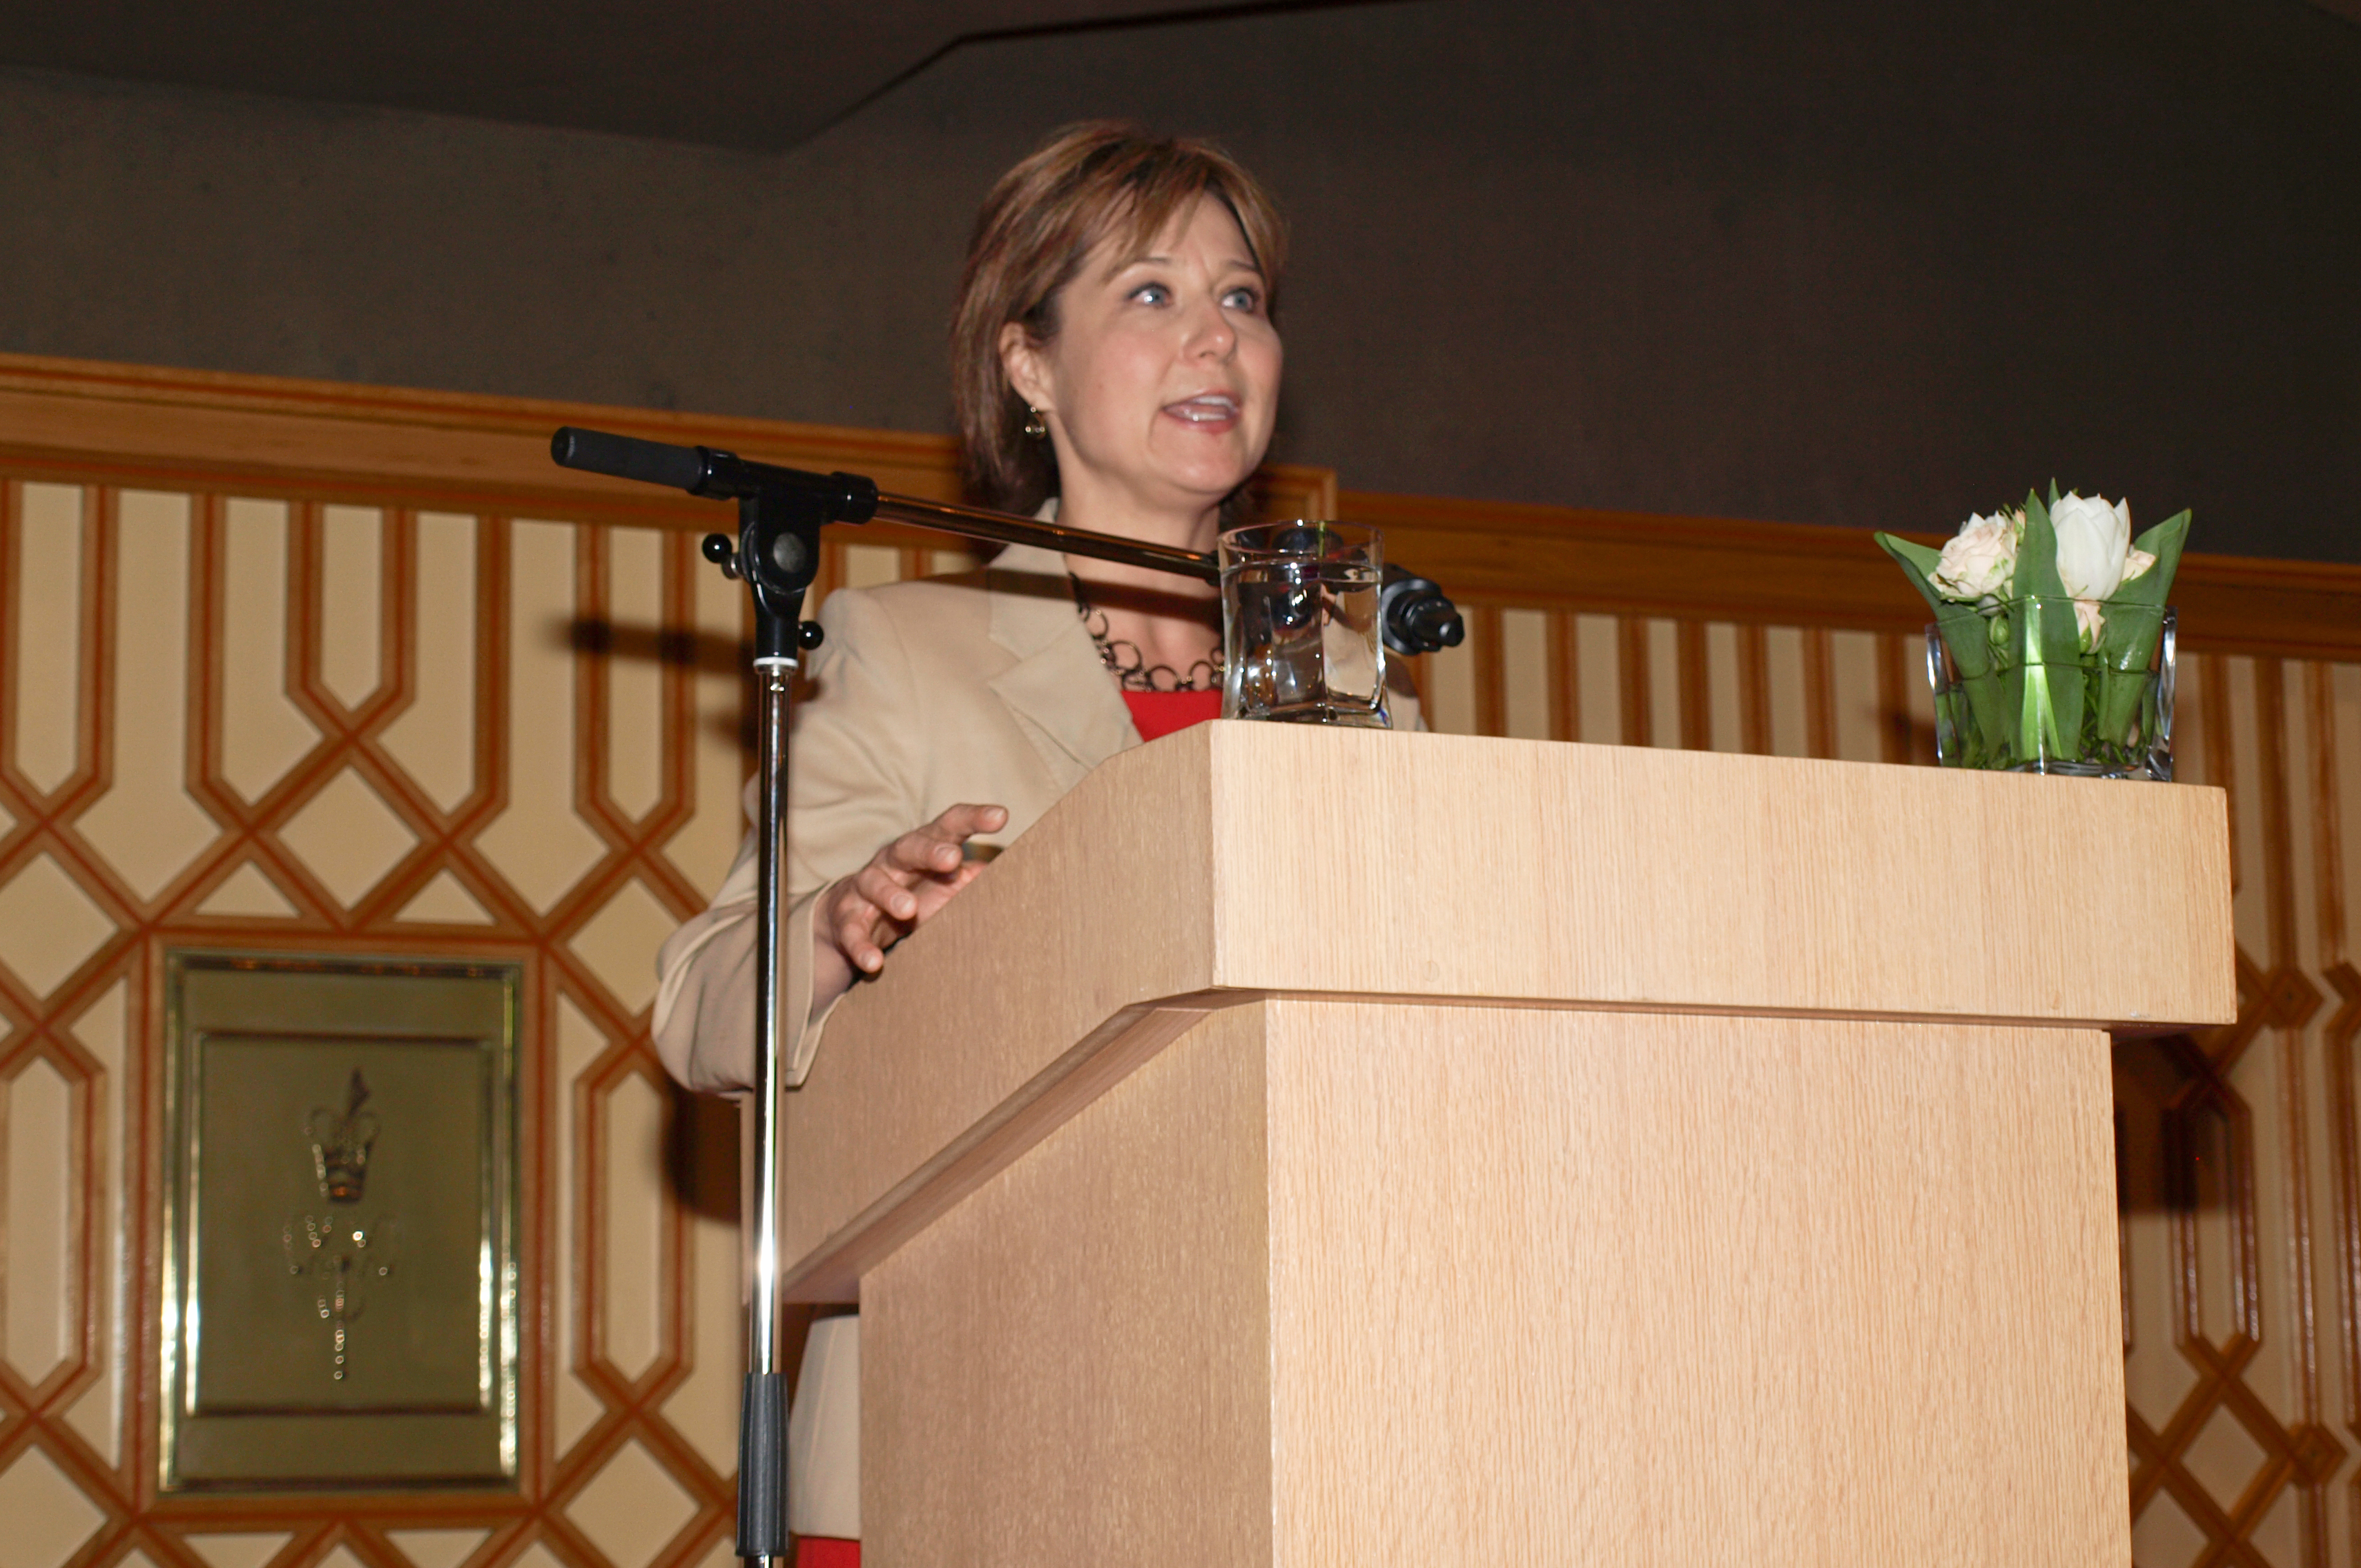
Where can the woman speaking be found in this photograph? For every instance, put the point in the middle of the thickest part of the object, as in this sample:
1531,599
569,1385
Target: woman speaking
1114,356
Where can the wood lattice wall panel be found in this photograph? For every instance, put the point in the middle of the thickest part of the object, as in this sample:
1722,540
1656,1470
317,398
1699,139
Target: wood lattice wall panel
114,1171
44,1265
48,653
1785,691
264,733
2238,1152
268,720
437,1548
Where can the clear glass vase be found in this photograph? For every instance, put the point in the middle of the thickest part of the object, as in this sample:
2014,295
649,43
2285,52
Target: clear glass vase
2026,685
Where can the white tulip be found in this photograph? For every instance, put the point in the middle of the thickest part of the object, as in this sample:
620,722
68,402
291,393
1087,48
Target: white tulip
1978,561
2088,624
2093,538
2136,562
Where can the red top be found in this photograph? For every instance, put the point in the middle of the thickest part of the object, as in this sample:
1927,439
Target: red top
826,1551
1161,713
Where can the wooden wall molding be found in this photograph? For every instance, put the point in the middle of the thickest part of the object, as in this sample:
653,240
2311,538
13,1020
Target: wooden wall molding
1785,573
315,440
188,428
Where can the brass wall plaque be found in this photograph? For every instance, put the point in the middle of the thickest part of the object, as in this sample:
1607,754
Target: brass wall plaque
340,1280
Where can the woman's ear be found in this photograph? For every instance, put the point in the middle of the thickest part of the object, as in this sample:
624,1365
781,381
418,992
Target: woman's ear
1027,368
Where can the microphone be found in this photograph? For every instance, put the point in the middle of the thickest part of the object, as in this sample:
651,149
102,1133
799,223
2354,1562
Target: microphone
1416,616
709,471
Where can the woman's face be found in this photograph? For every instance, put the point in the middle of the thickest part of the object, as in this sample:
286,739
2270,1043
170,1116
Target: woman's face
1163,382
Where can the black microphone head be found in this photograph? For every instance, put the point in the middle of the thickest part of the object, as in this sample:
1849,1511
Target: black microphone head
1438,623
628,457
1416,616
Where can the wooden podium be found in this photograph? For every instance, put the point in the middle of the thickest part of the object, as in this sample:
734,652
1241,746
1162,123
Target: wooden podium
1331,1148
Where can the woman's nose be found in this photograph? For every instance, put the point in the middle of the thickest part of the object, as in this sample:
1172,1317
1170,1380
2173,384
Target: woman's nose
1211,332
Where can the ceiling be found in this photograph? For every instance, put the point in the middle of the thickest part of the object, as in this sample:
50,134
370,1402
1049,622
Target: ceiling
761,77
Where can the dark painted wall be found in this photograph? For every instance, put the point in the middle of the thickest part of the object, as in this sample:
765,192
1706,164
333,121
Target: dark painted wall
1827,260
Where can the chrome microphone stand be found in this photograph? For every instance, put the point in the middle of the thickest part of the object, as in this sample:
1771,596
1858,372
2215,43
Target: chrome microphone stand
776,553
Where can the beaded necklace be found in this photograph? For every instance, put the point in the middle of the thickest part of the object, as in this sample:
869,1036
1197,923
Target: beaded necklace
1130,668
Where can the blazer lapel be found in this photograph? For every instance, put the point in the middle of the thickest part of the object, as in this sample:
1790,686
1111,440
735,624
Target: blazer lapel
1056,688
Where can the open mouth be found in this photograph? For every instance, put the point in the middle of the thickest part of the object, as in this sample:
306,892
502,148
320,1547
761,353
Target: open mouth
1206,408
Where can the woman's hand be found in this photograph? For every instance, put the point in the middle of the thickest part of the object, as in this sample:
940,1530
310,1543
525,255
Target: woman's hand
901,887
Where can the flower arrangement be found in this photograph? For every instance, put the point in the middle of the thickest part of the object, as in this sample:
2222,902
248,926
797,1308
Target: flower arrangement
2049,619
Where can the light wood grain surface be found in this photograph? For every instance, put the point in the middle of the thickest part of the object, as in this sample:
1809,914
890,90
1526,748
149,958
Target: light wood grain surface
976,1020
1237,860
1523,1286
1074,1368
1587,1287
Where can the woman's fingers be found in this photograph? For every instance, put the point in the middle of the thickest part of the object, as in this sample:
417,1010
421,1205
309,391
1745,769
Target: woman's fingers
924,854
936,848
966,821
888,892
904,883
860,931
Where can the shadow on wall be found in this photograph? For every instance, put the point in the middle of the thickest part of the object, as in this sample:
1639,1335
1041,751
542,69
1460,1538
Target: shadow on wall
703,1159
695,653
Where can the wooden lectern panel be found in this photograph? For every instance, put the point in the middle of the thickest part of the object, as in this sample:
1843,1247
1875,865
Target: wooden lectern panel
1523,1286
1672,1290
1233,860
1076,1365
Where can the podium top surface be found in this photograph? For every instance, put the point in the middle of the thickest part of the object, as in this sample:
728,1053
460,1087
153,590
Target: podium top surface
1282,858
1233,860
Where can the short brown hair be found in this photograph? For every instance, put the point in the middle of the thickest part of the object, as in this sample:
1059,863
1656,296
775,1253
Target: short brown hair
1040,222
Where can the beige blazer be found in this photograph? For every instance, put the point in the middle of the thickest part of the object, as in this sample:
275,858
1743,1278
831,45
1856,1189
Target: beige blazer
983,689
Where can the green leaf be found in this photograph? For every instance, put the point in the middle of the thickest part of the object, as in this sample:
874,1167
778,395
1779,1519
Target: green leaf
2120,695
2048,699
2067,685
2046,631
1966,632
2037,554
2019,729
2132,627
2127,634
2163,541
1919,564
2053,492
1988,710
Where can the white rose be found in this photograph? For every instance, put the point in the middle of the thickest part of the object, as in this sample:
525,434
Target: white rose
2088,624
1979,560
2136,562
2094,538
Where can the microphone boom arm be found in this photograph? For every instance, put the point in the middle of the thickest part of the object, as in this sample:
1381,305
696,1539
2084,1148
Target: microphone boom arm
1416,616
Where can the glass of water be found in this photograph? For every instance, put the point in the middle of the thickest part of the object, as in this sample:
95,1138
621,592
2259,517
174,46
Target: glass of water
1300,635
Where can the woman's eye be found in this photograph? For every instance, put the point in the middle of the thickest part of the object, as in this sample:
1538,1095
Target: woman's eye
1152,294
1243,299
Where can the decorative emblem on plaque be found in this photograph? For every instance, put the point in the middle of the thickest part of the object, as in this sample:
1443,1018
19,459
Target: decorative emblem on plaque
339,1254
312,1339
341,1144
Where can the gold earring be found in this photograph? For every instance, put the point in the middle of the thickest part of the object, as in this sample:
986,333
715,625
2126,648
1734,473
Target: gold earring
1033,426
